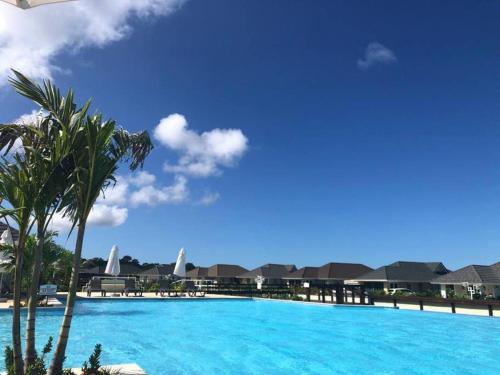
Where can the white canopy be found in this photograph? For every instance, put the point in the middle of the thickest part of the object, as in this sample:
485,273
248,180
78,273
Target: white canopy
180,265
5,239
25,4
113,266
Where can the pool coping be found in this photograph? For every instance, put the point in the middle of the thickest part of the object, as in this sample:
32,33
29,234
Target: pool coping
122,369
314,303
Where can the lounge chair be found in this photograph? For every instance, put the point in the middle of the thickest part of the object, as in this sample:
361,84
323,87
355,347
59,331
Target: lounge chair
114,286
164,288
131,286
95,285
191,289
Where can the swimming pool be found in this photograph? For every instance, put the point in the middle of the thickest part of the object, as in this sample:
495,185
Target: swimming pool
267,337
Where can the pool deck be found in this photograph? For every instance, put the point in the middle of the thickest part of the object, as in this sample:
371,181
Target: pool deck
54,303
149,295
125,369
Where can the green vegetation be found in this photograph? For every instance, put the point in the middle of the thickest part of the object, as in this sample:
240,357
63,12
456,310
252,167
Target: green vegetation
68,158
56,262
90,367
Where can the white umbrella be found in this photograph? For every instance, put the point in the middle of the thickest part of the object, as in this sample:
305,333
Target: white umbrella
26,4
180,265
113,266
5,239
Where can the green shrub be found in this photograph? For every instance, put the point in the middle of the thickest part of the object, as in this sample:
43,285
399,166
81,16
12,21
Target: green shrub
151,286
9,360
93,365
378,293
90,367
37,368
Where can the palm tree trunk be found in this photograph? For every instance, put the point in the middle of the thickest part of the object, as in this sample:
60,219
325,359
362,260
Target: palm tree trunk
16,313
30,353
60,352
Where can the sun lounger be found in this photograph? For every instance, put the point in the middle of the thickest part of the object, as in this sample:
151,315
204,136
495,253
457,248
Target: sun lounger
94,285
132,287
191,289
114,286
163,288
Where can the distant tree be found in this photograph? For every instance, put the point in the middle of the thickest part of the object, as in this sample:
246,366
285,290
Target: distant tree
126,259
190,266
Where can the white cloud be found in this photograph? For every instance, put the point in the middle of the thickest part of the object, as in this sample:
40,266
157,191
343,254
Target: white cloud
115,194
142,178
208,199
138,188
201,155
101,215
151,196
25,119
112,207
104,215
28,118
60,223
376,53
31,40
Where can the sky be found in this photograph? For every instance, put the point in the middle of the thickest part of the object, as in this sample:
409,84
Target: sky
285,131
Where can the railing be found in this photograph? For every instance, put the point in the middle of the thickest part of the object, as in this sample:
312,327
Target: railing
314,294
265,293
453,304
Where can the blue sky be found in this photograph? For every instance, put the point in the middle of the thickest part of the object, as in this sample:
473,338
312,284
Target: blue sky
361,131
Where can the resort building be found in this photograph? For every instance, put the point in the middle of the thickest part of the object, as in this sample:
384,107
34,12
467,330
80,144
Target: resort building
272,274
197,273
328,274
415,276
218,273
156,272
471,281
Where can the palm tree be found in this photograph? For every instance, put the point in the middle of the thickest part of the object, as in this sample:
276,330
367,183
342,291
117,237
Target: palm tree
94,149
46,161
17,189
70,158
100,148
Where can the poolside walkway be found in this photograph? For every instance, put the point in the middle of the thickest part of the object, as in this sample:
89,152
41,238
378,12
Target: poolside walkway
125,369
148,295
54,303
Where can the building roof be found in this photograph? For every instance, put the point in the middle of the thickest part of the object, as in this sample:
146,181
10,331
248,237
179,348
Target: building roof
269,271
304,273
13,231
329,271
342,271
125,269
406,271
225,270
473,274
158,270
198,272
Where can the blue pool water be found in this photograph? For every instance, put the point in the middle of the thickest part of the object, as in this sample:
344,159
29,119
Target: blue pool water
266,337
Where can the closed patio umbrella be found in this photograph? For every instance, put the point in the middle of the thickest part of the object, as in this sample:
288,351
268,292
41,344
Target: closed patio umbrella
26,4
113,265
5,239
180,265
